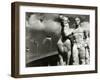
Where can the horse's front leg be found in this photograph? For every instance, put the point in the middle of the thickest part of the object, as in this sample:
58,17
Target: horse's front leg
60,52
61,55
61,62
67,50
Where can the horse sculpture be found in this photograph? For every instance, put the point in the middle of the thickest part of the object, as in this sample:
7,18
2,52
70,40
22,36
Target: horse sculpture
64,43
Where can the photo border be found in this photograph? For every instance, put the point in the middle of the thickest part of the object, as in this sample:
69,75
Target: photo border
15,32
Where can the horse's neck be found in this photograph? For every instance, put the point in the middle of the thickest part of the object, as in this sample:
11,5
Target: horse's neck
66,25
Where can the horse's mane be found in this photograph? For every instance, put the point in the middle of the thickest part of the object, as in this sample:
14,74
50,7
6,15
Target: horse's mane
62,32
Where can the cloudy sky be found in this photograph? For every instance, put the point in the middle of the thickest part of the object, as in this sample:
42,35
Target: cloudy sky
47,21
44,22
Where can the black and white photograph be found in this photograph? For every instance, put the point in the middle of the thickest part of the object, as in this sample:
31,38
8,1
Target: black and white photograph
52,39
57,39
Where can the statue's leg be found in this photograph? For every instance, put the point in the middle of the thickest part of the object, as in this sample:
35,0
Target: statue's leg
82,55
87,56
75,54
68,56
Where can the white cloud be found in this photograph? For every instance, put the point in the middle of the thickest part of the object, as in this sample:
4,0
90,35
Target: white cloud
85,25
48,24
35,23
52,26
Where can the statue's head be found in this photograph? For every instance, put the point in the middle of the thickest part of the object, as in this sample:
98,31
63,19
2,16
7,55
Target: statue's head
77,19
